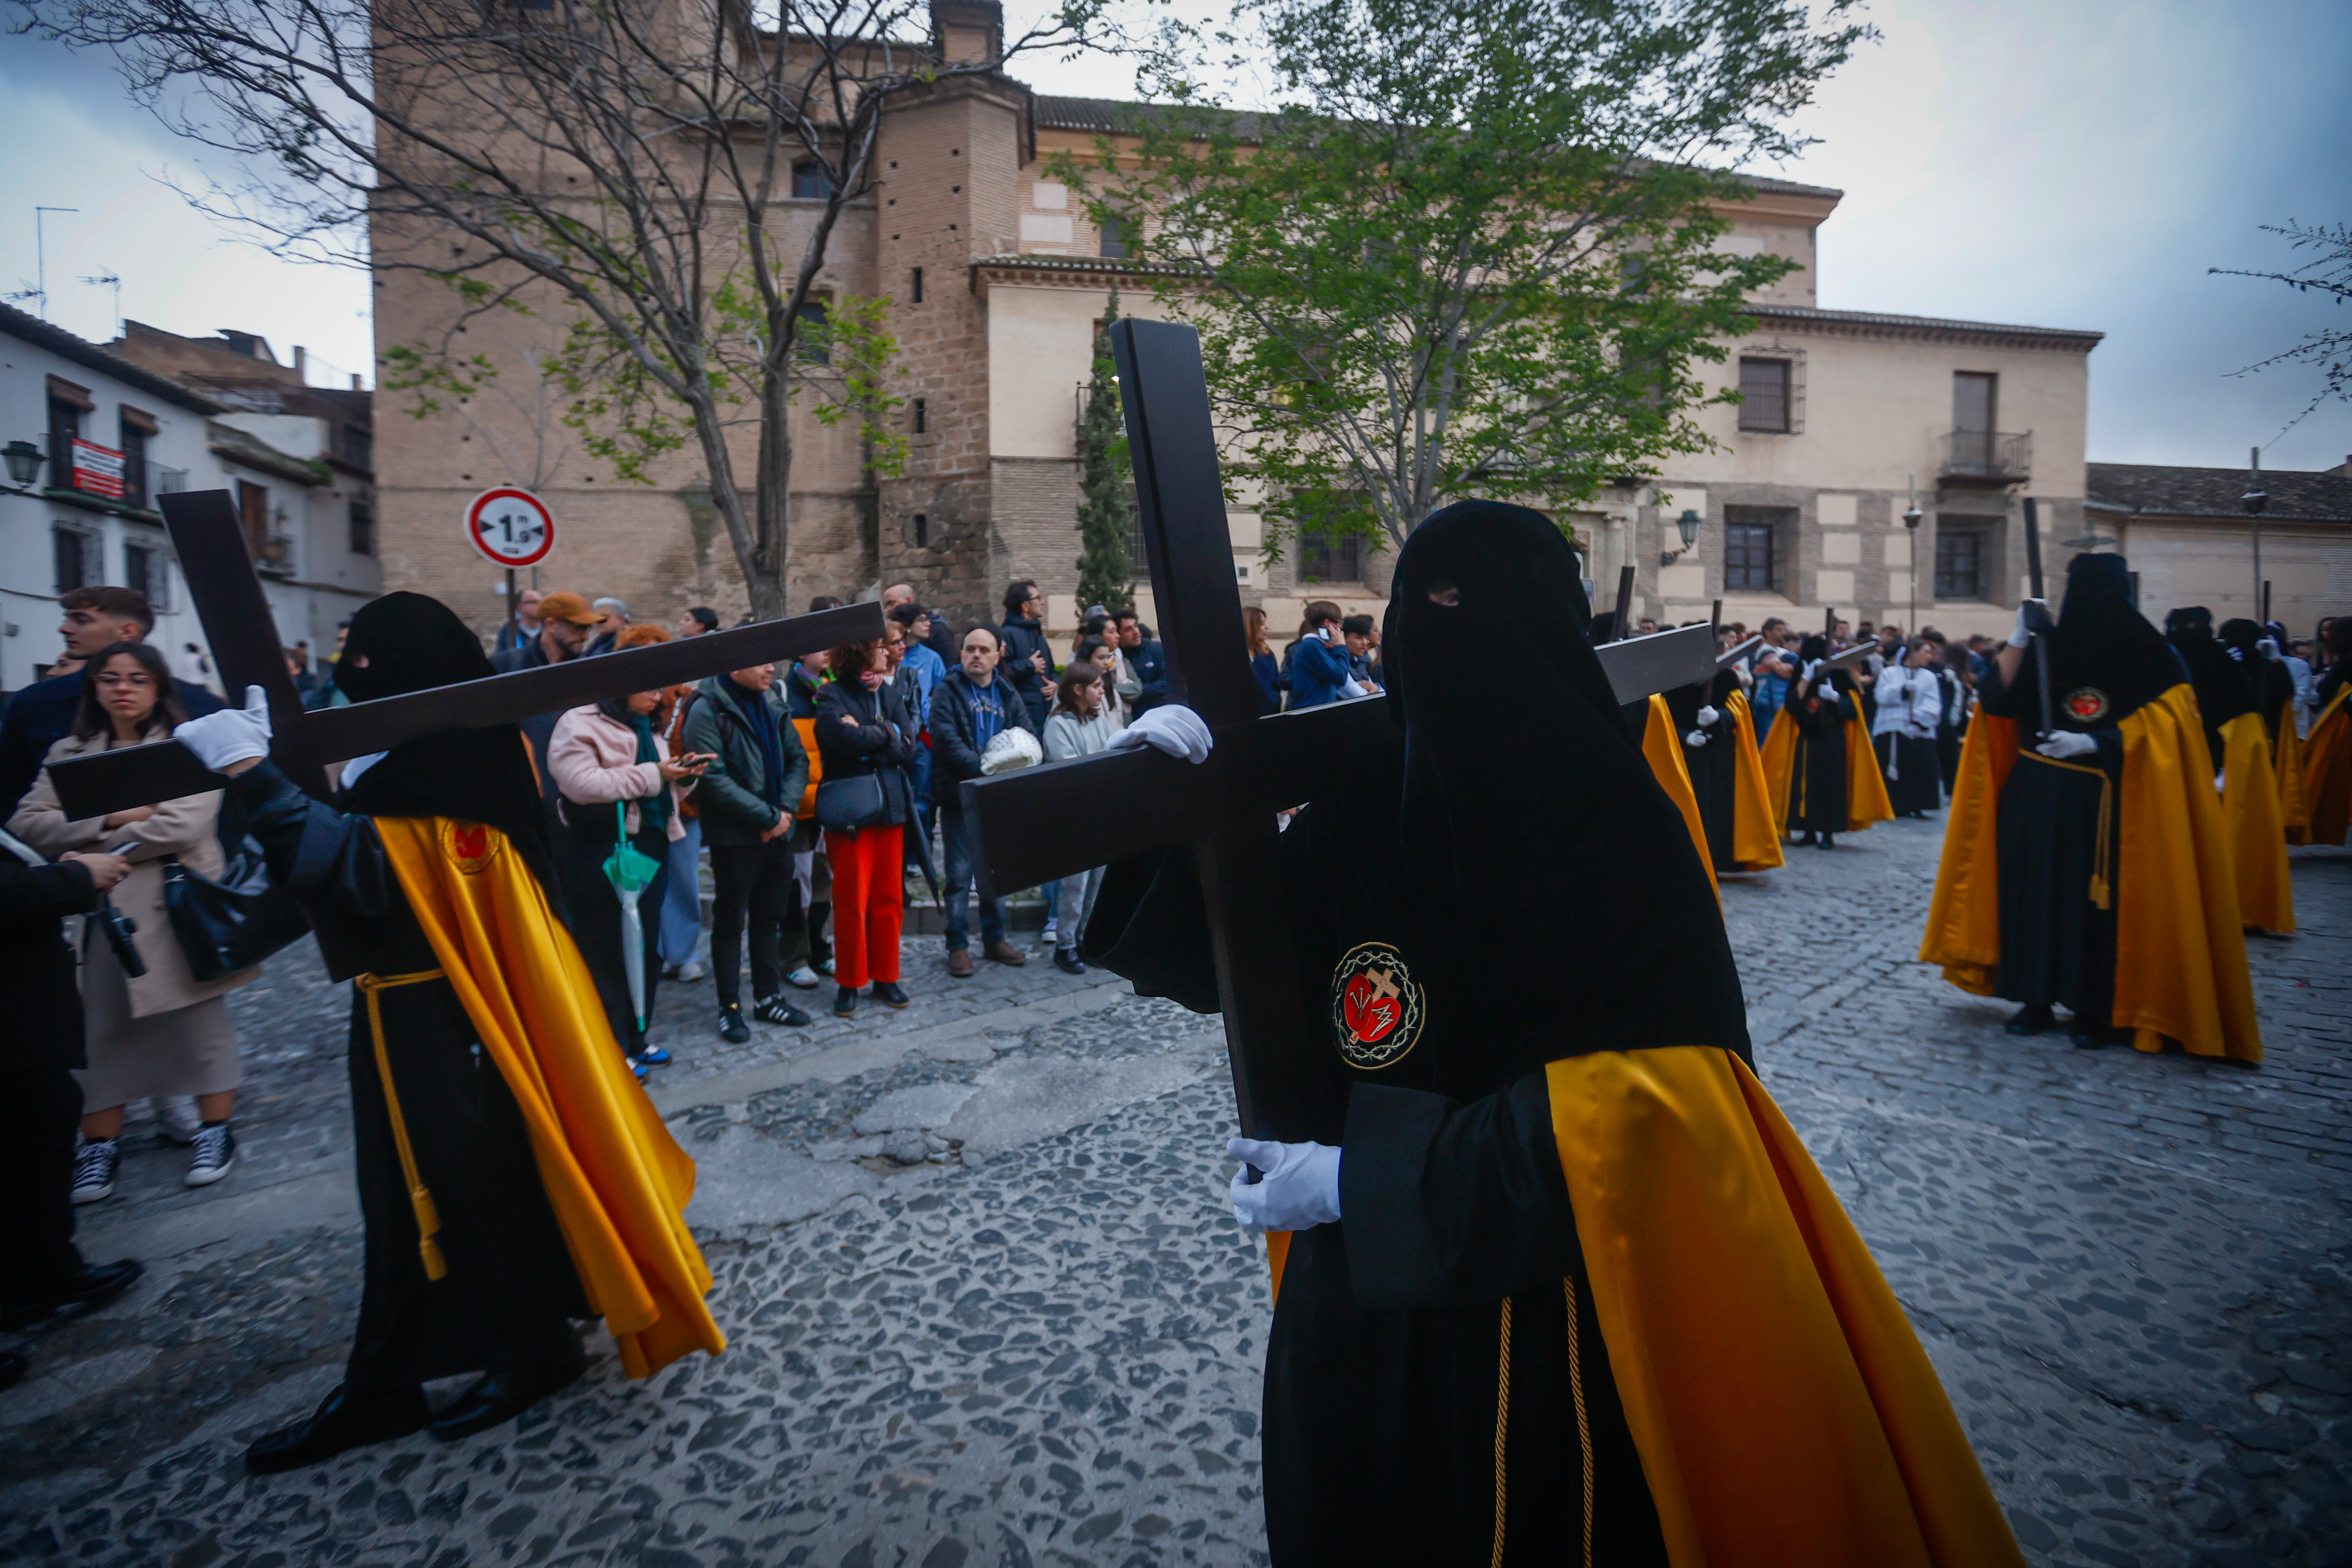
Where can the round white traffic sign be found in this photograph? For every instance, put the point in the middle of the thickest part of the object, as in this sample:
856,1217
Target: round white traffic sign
511,527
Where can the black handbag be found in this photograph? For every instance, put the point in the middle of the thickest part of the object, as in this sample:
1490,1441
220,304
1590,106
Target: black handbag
234,923
847,805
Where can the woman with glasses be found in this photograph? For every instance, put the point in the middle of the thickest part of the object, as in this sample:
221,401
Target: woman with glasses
161,1031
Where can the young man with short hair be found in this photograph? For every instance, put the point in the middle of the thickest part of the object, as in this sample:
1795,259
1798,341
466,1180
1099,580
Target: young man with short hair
39,716
1140,650
971,708
1318,660
1027,666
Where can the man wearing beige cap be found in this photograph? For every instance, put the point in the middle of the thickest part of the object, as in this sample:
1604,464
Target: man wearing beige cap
565,624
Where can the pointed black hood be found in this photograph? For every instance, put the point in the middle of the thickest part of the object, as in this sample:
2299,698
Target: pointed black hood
2107,659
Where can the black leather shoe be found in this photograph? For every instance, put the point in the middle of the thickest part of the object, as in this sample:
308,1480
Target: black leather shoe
2030,1019
887,992
342,1421
13,1368
500,1396
845,1001
94,1289
2089,1037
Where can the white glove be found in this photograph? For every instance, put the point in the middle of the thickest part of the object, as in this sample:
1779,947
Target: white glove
2021,634
2267,646
1300,1190
2065,744
230,735
1707,715
1174,728
1695,738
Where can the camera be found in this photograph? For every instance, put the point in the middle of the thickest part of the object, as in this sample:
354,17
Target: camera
119,928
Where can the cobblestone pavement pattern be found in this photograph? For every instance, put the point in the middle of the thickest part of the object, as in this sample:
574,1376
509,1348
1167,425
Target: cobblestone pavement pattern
987,1307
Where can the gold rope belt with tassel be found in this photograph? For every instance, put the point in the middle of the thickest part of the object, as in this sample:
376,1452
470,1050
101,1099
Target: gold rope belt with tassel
1502,1430
428,1217
2102,877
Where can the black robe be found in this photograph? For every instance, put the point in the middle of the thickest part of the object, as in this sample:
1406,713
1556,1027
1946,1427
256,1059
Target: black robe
510,1288
1817,778
1383,1364
1714,767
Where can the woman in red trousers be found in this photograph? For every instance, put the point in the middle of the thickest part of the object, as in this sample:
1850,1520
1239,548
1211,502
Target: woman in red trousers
867,739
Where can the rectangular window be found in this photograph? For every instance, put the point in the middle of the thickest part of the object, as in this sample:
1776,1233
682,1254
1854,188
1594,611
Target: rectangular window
914,290
1752,548
1328,559
65,429
922,417
253,510
146,569
1975,401
1961,561
1116,237
816,339
1764,394
359,447
136,491
76,555
362,521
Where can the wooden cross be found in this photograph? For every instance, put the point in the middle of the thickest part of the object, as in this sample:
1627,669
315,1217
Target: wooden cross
228,597
1044,823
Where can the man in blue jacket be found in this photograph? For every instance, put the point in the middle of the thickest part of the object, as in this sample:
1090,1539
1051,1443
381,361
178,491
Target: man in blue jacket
972,707
39,715
1319,665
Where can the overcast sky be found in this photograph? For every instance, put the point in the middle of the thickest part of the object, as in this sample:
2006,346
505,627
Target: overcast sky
2054,163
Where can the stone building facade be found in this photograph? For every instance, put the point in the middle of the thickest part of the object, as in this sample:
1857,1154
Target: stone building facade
995,280
2191,541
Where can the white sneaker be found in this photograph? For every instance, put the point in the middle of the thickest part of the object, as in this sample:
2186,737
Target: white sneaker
95,1164
179,1118
1052,928
805,977
691,969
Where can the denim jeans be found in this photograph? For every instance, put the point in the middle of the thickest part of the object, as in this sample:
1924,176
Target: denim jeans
957,844
681,905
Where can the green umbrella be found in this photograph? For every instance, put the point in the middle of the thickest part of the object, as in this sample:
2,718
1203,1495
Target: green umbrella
631,871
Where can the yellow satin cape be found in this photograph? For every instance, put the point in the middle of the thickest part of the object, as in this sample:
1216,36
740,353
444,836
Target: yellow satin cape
1755,829
2181,946
617,1181
2250,803
1865,789
2326,757
1805,1425
1662,747
2287,757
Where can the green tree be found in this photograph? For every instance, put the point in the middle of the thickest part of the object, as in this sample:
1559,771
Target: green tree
1106,571
1475,252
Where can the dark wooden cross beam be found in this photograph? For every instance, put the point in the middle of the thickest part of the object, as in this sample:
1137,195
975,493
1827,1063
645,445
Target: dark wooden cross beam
210,542
1044,823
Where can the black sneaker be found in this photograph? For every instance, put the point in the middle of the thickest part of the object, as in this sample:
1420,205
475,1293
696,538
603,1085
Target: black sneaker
845,1001
1068,961
776,1010
95,1165
2030,1020
93,1288
889,992
731,1027
214,1156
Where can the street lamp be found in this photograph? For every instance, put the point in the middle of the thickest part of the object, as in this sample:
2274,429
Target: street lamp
24,462
2254,503
1688,525
1912,516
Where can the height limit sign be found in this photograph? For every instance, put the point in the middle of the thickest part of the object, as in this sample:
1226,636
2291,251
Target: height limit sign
513,528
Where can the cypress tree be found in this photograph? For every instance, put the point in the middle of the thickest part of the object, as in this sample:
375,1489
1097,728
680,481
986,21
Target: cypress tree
1105,570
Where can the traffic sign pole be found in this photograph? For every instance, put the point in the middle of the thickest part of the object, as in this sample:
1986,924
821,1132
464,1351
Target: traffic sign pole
513,622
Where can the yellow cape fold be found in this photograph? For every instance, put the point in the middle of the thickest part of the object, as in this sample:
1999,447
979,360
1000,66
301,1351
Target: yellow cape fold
1662,746
2181,947
1783,1406
2326,774
617,1181
1866,791
2287,757
1755,829
2249,804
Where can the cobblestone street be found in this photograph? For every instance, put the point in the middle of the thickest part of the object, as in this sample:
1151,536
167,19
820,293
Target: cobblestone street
988,1306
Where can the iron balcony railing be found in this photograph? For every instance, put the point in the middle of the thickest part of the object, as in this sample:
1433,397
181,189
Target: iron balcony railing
1991,457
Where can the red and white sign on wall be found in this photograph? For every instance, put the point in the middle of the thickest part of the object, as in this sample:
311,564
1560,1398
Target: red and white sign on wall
512,527
97,469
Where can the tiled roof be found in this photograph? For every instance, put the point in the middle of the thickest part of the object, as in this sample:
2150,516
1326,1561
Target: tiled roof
1083,264
81,350
2156,491
1103,116
2068,336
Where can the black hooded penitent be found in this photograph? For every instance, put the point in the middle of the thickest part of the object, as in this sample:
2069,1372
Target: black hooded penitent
2224,689
407,642
2106,661
2273,687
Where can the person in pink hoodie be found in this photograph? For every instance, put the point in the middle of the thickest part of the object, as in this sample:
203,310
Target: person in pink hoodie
613,774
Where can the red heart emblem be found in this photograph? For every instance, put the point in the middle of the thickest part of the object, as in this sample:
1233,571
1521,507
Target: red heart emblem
471,841
1370,1015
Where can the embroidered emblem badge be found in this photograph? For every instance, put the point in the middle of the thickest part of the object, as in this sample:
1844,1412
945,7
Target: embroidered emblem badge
470,845
1377,1006
2086,704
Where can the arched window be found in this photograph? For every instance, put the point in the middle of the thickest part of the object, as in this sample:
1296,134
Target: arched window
812,181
